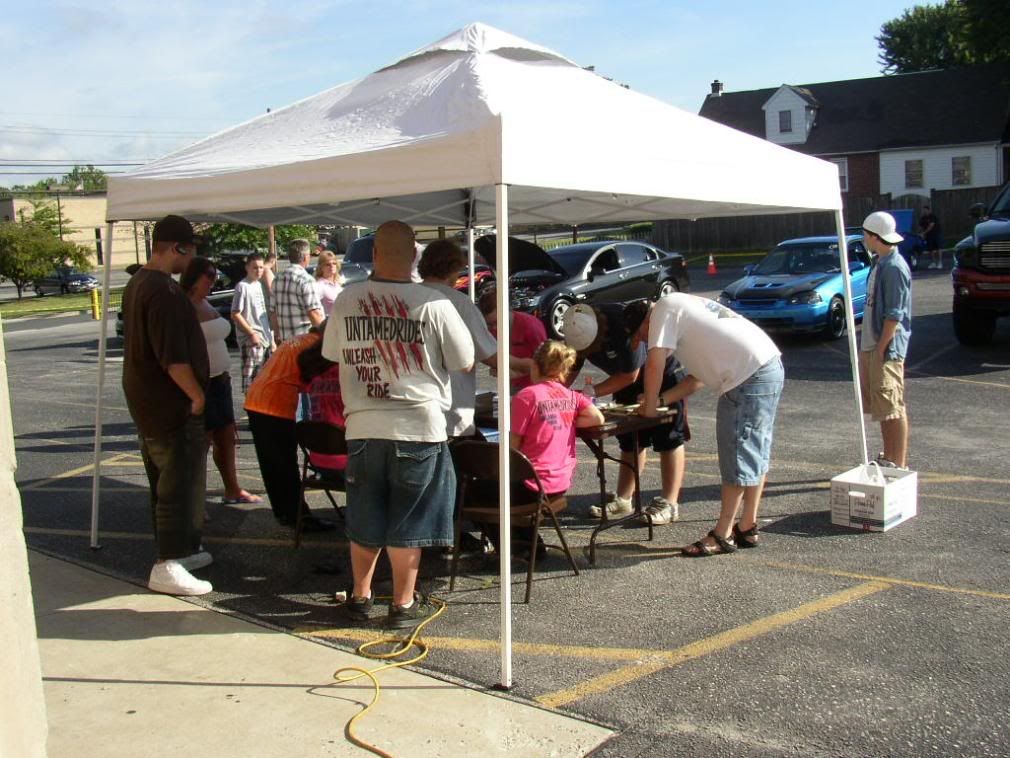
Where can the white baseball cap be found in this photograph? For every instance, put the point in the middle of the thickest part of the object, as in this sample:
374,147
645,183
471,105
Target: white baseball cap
883,225
580,326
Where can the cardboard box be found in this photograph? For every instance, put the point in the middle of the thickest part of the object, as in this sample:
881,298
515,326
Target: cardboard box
873,499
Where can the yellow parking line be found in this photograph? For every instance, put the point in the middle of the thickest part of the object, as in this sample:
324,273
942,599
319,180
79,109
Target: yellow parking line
887,579
116,459
709,645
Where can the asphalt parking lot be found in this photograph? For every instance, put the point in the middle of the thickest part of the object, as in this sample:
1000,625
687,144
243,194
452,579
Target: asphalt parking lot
824,642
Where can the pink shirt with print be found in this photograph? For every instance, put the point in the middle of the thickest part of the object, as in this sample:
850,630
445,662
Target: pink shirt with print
544,415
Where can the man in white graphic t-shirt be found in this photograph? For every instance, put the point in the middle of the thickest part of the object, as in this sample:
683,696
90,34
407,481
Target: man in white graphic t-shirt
397,343
738,360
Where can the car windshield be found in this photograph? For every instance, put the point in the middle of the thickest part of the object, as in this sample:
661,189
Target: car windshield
573,261
800,259
1001,205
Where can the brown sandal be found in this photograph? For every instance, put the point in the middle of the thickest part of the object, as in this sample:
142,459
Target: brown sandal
702,550
747,538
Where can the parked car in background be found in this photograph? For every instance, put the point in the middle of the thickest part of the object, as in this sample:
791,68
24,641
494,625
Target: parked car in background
229,266
65,280
357,263
548,284
912,246
981,274
798,286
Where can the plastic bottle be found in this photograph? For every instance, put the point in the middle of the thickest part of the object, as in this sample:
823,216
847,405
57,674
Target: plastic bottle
589,390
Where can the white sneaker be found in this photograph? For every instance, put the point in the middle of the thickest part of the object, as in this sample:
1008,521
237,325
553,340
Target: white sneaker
661,510
620,506
197,561
172,578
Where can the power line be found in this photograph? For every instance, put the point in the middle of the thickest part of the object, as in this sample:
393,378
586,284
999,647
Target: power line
43,163
44,173
27,129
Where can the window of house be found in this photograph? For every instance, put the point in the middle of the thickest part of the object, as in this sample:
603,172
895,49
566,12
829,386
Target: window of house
913,173
960,170
843,173
785,121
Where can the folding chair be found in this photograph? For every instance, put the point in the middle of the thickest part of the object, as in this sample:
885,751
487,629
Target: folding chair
325,439
478,462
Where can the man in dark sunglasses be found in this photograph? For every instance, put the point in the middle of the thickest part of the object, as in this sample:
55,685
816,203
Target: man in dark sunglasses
165,373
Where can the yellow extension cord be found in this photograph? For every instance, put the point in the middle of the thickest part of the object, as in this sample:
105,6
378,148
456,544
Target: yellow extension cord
365,650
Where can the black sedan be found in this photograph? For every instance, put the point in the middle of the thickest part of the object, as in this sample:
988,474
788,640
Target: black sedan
548,284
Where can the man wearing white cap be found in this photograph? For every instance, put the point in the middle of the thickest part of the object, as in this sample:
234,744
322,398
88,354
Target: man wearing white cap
887,325
604,337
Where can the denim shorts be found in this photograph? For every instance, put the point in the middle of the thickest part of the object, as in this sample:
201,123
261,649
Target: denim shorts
399,494
745,418
219,410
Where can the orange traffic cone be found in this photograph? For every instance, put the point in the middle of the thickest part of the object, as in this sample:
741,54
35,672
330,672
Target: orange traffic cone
711,266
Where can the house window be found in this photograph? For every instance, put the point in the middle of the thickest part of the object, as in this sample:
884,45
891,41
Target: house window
843,173
785,121
913,174
960,169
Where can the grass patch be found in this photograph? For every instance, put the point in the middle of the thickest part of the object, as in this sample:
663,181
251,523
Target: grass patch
31,305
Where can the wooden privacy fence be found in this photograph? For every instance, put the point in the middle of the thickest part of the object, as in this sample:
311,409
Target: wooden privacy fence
712,235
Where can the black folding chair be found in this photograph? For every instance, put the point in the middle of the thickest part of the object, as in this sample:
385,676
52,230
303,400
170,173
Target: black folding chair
478,462
324,439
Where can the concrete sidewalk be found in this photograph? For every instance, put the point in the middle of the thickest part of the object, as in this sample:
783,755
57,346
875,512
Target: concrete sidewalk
128,673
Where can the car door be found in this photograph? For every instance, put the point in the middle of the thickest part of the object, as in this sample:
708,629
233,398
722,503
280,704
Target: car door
640,271
603,280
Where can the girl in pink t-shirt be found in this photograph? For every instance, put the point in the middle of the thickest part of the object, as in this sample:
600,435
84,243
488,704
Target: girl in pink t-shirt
546,414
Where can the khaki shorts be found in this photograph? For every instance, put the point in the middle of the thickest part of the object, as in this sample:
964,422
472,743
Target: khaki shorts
883,386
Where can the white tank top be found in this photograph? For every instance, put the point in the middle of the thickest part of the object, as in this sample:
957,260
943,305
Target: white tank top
214,332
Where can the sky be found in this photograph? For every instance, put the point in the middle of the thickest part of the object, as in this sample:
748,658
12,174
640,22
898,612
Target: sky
127,81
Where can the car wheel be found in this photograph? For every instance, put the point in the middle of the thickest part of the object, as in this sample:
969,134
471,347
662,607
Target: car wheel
835,328
64,289
39,291
556,317
668,288
972,327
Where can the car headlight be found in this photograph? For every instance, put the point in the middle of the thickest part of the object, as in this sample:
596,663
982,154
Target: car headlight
806,298
724,298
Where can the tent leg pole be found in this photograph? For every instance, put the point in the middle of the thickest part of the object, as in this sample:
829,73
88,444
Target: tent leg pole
102,339
272,240
505,490
850,323
470,262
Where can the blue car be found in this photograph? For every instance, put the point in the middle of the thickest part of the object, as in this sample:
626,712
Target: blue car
797,287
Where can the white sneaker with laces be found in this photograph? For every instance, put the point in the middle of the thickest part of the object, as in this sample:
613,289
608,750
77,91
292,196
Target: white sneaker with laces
619,506
662,511
199,560
172,578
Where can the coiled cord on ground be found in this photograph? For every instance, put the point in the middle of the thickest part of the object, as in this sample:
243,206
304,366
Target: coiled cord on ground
402,645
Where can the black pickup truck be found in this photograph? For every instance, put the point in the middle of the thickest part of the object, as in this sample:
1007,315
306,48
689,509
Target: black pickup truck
981,274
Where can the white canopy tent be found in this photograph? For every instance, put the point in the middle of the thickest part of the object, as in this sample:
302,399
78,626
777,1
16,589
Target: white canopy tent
478,128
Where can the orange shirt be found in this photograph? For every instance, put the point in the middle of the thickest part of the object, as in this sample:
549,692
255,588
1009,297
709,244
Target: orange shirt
274,391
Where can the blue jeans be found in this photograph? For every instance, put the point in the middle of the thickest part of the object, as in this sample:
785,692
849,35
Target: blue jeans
745,419
176,468
399,494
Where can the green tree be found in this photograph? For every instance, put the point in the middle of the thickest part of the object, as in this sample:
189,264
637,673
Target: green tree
47,214
223,238
86,178
956,33
29,251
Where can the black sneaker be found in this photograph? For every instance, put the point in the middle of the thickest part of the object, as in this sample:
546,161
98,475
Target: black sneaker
357,608
400,617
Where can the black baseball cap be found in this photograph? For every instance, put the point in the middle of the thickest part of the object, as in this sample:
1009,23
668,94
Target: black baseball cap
176,229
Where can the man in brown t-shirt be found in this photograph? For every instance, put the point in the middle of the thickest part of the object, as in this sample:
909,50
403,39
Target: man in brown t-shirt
165,372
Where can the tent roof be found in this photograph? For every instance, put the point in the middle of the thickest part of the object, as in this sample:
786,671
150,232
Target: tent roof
427,138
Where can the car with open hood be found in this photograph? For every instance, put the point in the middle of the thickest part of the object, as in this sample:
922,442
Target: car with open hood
798,286
548,284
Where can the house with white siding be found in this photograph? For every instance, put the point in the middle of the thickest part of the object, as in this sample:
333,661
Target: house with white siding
906,134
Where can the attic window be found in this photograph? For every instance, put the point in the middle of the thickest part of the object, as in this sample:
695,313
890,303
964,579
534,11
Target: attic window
960,171
785,121
913,174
